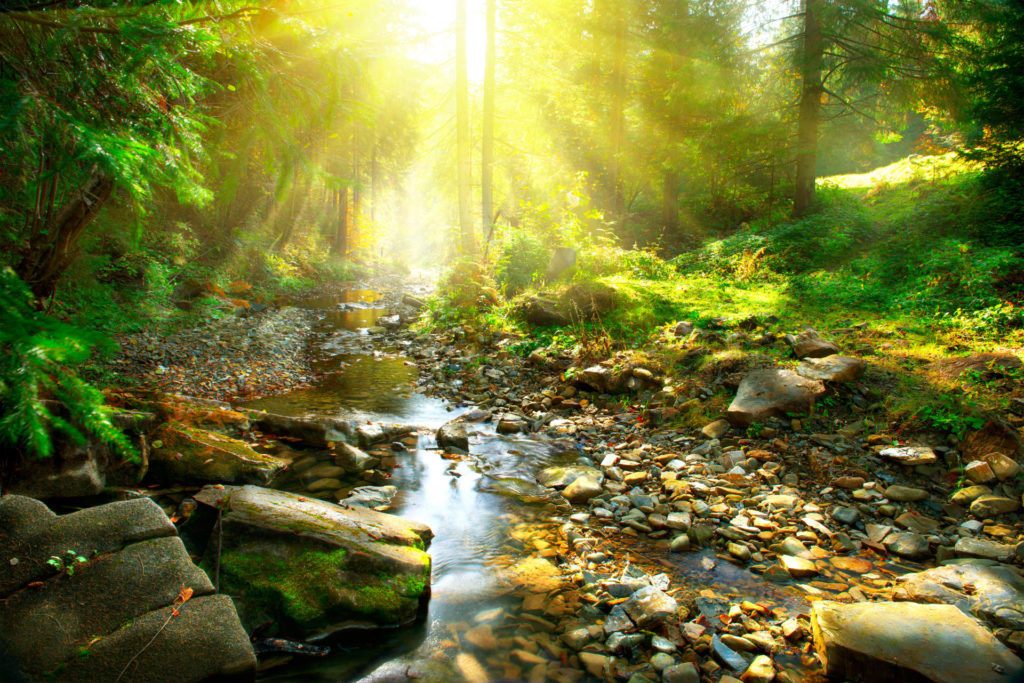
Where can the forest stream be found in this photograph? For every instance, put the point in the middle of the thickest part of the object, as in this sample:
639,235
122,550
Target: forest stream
489,515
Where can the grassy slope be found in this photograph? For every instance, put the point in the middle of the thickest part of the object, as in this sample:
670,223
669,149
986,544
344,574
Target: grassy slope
921,250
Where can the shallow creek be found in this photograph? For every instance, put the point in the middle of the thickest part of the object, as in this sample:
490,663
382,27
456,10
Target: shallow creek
477,506
496,531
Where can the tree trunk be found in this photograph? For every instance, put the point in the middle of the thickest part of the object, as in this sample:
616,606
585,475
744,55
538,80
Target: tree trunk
618,117
340,244
487,148
462,132
810,109
50,254
670,200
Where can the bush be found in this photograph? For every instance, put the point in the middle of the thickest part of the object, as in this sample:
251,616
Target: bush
521,262
37,359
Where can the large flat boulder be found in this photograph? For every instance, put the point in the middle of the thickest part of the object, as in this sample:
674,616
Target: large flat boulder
832,368
772,393
993,594
887,642
108,613
313,567
187,454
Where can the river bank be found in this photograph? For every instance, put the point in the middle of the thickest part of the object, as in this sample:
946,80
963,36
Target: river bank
583,531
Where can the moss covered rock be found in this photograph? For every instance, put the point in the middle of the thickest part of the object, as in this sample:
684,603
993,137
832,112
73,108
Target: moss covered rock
187,454
313,567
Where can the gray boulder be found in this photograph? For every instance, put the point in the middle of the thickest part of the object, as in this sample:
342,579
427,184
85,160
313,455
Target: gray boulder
108,613
772,393
887,642
834,368
993,594
453,435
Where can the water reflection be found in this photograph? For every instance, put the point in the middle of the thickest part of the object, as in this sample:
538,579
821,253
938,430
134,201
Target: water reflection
362,386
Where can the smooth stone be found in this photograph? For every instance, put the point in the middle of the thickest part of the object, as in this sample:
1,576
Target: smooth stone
993,594
761,670
833,368
984,548
991,506
891,642
583,489
716,429
905,494
649,607
908,544
910,455
772,393
846,515
661,661
1003,466
798,567
681,673
969,494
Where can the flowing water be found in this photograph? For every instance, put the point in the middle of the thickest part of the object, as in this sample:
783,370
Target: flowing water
486,510
471,503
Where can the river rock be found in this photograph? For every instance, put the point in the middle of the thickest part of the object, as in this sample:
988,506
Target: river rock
969,494
910,455
993,594
559,477
983,548
583,489
681,673
808,344
649,607
312,567
979,471
904,494
453,435
1003,466
716,429
991,506
798,567
602,379
761,670
188,454
352,459
373,497
908,544
834,368
894,642
314,431
113,603
772,393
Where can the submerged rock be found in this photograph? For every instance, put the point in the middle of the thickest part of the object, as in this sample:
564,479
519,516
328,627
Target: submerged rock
123,568
895,642
314,567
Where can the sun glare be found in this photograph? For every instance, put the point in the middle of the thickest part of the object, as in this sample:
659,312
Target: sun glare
436,20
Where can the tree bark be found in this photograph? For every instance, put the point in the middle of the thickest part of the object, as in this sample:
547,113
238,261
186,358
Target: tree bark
670,200
340,243
810,109
51,252
462,132
618,116
487,147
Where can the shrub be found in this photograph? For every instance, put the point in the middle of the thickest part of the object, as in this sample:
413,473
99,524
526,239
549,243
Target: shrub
38,356
521,262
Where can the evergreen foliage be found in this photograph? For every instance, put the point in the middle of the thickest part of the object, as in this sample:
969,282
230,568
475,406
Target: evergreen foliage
38,380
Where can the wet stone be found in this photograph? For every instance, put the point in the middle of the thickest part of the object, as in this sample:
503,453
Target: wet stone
983,548
846,515
649,607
